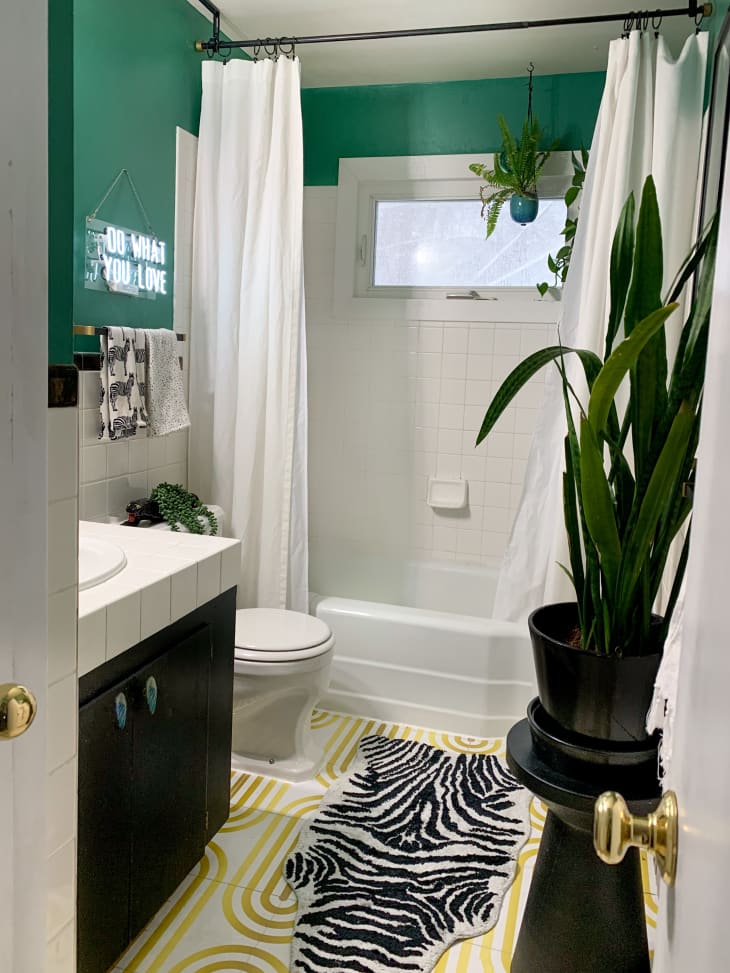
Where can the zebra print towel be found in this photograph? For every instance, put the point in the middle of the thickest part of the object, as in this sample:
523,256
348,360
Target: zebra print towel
411,852
122,395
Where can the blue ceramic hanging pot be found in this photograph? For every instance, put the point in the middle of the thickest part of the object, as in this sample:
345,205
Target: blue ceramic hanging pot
523,209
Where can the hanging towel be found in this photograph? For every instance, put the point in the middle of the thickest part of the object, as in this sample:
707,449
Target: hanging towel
167,410
122,403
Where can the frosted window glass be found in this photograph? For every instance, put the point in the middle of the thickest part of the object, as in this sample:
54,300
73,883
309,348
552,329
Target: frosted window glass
442,243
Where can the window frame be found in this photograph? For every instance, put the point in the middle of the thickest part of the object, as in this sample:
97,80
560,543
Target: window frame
362,181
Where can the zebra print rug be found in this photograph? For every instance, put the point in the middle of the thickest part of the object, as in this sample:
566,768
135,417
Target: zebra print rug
410,853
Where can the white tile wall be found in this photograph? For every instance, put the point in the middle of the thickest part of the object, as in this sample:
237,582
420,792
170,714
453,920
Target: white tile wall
113,473
62,702
391,403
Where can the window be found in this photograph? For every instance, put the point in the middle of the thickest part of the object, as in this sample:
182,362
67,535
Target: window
411,243
442,243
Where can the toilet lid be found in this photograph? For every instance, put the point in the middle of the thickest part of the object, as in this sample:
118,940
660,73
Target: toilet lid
278,630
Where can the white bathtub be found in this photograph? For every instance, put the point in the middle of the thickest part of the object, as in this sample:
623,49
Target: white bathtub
435,659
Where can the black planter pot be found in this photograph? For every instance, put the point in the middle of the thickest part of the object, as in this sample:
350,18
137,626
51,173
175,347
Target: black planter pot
605,697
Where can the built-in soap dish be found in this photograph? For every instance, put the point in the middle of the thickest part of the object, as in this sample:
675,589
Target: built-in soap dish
447,494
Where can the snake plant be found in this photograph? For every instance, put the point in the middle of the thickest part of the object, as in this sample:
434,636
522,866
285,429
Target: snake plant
627,467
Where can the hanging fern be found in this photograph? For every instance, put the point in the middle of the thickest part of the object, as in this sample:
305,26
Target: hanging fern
179,506
516,169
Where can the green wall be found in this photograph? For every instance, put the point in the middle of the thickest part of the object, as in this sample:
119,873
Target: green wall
60,180
136,77
450,117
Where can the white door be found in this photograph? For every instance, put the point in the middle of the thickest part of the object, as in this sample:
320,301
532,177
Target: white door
693,933
23,491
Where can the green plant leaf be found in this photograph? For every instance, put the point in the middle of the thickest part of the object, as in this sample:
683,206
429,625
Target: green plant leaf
620,361
598,507
622,258
543,288
648,270
571,195
522,373
664,484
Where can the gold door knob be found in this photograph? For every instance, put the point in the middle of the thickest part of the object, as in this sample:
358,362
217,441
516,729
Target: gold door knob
18,708
616,829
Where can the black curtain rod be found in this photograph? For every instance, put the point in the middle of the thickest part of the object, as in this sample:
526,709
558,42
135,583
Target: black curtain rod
215,44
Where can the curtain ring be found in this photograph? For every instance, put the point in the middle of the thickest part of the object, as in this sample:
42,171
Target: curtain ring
699,18
287,47
270,42
256,50
645,22
628,25
656,22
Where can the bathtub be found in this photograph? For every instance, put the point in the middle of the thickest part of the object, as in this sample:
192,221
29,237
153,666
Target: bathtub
435,659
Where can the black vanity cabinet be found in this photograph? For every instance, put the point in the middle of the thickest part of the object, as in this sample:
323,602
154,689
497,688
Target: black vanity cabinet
154,775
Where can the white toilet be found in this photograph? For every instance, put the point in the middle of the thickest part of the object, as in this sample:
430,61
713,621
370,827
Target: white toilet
282,664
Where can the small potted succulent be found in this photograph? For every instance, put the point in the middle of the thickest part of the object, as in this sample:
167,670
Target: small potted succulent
630,452
515,174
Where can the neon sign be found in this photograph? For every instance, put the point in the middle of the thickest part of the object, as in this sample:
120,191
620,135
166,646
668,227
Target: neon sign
124,261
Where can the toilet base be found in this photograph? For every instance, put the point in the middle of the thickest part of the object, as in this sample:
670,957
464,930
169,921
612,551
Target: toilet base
293,769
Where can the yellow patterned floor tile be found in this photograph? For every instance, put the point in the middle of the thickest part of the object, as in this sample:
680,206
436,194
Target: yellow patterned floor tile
235,912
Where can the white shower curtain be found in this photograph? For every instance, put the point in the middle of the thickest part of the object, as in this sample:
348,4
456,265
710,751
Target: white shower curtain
650,121
247,351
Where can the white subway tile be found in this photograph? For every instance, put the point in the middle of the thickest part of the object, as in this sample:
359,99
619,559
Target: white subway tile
230,567
449,441
183,593
497,495
500,445
456,340
469,542
62,717
479,368
61,884
93,463
122,624
61,806
448,466
444,538
473,467
498,470
451,416
92,641
92,501
62,544
453,366
62,612
431,339
63,460
494,544
429,366
209,579
478,393
452,391
138,455
117,461
481,341
506,341
427,414
155,607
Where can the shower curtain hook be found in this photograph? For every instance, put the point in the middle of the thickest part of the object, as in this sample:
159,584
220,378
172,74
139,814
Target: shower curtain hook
699,18
270,43
290,43
256,50
656,22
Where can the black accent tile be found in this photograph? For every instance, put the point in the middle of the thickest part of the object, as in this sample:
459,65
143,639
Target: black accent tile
87,361
63,386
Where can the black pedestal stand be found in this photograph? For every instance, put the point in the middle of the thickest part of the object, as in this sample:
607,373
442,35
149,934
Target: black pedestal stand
581,915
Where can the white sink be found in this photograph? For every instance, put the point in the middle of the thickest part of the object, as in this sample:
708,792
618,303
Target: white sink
98,561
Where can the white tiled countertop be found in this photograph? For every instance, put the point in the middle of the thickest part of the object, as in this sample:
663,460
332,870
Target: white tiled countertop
167,575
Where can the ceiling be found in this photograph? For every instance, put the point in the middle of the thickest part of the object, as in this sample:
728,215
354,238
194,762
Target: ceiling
554,50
